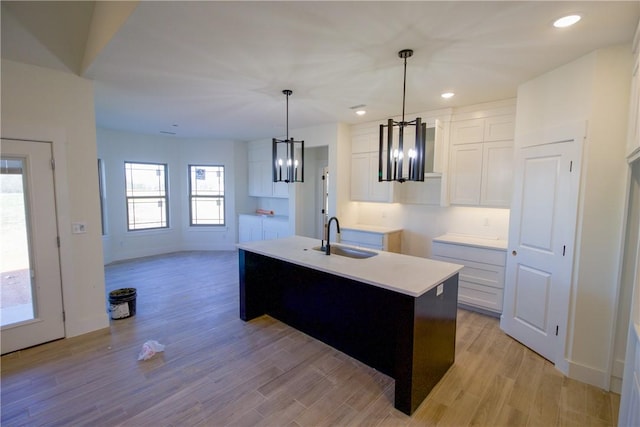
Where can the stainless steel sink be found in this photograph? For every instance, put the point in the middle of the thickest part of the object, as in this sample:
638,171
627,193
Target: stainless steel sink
348,252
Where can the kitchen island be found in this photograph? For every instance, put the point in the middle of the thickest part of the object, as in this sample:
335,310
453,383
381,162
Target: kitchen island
396,313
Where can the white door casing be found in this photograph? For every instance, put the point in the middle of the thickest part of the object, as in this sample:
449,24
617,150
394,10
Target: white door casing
542,232
48,323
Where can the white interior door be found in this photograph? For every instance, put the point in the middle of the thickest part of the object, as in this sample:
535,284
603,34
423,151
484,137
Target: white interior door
541,241
31,310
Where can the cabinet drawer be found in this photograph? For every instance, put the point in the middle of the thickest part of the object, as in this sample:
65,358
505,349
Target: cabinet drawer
469,253
362,238
481,274
480,296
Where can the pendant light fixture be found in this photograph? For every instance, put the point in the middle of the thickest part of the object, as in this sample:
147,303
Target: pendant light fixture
402,143
288,155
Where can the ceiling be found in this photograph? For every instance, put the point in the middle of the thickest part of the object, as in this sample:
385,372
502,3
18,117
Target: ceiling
216,70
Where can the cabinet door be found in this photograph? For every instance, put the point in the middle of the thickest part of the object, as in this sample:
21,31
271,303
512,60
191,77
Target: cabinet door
260,179
378,191
497,173
499,128
274,229
467,131
466,173
360,180
280,189
249,228
255,179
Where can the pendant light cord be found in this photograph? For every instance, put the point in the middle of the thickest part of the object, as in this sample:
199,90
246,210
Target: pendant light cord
404,88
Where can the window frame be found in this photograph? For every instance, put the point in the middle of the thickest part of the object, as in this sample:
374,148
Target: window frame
191,196
165,197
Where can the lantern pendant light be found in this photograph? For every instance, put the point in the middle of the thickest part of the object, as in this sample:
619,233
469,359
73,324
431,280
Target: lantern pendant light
288,155
402,143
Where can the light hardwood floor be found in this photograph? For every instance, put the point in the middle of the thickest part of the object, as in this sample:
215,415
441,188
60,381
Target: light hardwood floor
218,370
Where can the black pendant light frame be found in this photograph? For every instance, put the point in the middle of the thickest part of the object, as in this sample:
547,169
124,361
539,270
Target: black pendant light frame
286,153
391,157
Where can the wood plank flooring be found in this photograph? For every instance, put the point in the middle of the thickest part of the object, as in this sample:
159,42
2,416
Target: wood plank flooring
217,370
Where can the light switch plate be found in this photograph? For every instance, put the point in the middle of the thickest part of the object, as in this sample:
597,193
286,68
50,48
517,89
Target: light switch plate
440,289
78,227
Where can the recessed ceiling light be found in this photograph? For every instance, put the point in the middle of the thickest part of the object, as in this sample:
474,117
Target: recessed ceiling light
361,112
447,95
566,21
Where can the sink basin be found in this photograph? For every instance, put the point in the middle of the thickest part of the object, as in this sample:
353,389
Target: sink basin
348,252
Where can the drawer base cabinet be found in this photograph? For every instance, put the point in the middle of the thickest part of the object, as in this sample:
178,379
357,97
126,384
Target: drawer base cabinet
389,241
256,227
481,281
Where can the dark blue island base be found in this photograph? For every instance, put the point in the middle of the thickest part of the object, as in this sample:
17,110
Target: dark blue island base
411,339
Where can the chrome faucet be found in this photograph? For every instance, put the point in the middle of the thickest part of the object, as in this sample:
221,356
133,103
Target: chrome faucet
328,247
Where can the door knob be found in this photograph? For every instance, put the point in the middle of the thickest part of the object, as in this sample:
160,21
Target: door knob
514,253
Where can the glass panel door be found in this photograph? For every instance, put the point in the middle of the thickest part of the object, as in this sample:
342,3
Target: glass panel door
16,290
31,310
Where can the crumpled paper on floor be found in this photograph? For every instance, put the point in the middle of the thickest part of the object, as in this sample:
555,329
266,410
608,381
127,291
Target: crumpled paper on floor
149,349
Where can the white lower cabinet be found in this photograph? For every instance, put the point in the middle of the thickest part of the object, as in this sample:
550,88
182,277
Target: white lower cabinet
481,281
256,227
372,237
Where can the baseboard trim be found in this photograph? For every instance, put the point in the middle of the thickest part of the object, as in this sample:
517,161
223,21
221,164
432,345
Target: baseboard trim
588,374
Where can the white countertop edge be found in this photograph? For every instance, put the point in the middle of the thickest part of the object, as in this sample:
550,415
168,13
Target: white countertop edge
370,228
370,271
475,241
275,217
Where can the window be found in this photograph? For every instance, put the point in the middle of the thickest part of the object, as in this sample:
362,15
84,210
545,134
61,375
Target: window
103,197
147,201
206,195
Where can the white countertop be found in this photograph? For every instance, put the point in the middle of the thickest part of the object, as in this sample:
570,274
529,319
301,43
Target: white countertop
370,228
476,241
401,273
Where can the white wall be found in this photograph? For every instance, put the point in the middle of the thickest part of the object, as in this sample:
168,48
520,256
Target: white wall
594,88
115,147
42,102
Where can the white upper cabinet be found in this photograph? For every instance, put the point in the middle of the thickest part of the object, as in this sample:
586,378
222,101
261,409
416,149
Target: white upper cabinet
466,170
481,161
499,128
365,186
364,168
261,172
497,173
467,131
